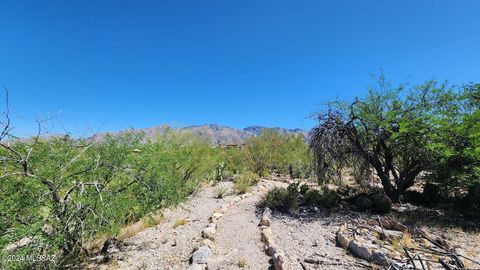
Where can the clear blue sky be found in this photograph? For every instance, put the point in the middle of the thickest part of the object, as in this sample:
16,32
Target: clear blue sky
113,64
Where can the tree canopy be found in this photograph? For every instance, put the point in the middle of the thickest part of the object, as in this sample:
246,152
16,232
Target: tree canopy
401,132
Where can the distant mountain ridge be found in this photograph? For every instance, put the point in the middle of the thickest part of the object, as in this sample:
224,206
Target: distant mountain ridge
217,134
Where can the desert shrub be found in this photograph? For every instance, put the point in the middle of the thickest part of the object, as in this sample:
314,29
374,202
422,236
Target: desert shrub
330,198
303,189
324,198
281,199
381,203
313,197
245,181
219,192
80,189
364,202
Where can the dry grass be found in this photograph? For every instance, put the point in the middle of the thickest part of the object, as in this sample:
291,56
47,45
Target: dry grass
134,228
97,243
242,262
180,222
407,240
125,232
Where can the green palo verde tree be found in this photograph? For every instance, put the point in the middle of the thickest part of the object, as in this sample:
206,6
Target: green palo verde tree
398,131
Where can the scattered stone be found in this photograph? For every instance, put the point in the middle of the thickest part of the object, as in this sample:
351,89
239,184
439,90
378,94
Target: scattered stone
209,233
201,255
359,250
208,243
196,266
343,241
278,261
16,245
379,258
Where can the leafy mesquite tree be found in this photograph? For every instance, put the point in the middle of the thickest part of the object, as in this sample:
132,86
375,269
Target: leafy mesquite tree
394,130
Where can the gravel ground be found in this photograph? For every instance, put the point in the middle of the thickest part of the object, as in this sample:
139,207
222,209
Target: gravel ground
166,247
238,238
313,237
308,235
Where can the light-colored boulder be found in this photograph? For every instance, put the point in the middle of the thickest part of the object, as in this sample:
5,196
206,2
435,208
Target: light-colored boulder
343,241
265,221
266,236
359,250
209,233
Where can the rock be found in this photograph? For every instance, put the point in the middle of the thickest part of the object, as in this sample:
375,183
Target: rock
110,246
363,202
18,244
359,250
196,266
278,261
379,258
266,236
219,211
209,233
272,249
208,243
121,257
100,259
343,241
201,255
265,221
217,215
381,203
47,229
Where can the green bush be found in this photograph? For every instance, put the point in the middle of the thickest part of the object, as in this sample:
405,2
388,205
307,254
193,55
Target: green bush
330,198
324,198
303,189
82,190
281,199
313,197
276,152
245,181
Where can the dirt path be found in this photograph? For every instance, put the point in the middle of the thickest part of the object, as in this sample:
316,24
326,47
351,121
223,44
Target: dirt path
169,245
237,244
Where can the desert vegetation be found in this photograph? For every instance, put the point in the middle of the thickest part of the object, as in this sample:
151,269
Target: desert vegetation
403,134
417,144
60,194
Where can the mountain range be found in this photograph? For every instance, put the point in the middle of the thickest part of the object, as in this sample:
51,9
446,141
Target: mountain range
217,134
